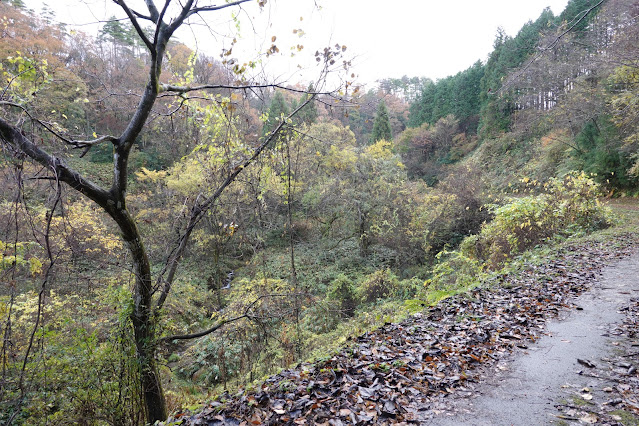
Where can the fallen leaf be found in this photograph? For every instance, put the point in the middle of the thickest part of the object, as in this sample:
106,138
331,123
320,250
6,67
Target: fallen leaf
586,363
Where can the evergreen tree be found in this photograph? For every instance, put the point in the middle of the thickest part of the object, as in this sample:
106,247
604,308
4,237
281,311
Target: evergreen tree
442,102
495,106
599,150
421,111
381,126
308,114
467,91
276,110
576,9
19,4
115,32
458,95
46,13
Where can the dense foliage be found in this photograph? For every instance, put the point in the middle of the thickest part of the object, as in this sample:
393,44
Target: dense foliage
414,191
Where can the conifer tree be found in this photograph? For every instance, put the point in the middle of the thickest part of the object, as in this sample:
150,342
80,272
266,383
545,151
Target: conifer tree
308,114
381,126
276,110
17,4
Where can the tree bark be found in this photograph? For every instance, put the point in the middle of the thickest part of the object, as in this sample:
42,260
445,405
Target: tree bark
142,318
363,231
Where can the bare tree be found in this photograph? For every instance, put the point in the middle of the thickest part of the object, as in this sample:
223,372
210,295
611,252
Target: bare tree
149,293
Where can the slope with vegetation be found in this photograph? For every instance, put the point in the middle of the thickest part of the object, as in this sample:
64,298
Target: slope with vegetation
247,226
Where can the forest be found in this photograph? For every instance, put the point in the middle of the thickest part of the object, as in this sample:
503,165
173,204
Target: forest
173,228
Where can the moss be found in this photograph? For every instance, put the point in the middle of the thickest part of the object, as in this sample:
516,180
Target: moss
580,402
627,418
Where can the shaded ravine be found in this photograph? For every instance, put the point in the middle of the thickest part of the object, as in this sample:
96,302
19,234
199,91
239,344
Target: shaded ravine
528,387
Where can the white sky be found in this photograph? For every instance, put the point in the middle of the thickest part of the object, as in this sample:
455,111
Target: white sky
423,38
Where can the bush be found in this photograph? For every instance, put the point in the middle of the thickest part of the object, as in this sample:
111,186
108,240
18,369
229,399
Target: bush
342,293
453,272
381,284
565,207
451,212
320,317
408,288
599,150
78,371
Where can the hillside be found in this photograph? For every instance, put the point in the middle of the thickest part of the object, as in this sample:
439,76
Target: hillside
176,226
554,98
432,368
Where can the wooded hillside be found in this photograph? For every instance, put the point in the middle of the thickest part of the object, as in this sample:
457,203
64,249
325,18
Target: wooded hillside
173,227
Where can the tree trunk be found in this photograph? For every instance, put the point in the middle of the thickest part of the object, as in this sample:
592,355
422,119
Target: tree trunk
154,401
143,319
363,231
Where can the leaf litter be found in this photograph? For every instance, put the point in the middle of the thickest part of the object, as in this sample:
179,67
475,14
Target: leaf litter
618,402
405,373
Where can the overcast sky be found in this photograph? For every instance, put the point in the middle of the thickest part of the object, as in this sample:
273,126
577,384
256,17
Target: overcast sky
386,38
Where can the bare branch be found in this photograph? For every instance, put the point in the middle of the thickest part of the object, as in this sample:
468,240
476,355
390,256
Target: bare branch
87,145
41,297
163,12
13,104
134,12
216,327
155,14
75,144
133,18
199,210
196,10
180,18
222,323
185,89
585,14
14,138
549,46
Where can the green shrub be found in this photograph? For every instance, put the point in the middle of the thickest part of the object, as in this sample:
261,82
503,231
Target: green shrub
451,212
453,272
342,293
320,317
566,206
599,151
408,288
381,284
78,372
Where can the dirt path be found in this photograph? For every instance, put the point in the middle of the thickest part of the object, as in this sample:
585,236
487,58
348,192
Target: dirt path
526,388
